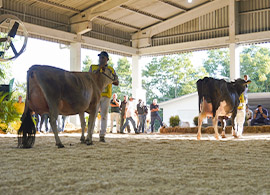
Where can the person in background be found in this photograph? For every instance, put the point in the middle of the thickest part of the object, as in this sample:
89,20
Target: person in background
141,115
246,90
129,116
249,115
19,105
105,95
45,118
260,116
123,110
115,113
154,108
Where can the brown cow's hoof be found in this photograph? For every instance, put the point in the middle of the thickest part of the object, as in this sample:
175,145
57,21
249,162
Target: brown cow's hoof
199,137
89,143
82,140
217,137
60,146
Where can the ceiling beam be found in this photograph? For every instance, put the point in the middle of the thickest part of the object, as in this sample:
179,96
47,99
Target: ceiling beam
178,20
142,12
86,16
58,5
174,5
118,22
185,47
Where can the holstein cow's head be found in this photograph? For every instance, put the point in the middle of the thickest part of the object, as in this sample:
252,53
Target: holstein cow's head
112,78
240,85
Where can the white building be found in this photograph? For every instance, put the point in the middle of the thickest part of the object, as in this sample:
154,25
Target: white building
186,107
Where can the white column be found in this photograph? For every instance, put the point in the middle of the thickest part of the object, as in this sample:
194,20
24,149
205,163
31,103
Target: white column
234,48
75,56
137,91
75,65
234,61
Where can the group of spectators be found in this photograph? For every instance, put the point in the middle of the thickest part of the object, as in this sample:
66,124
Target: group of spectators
126,112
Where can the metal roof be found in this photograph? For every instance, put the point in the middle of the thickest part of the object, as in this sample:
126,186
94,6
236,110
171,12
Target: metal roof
148,24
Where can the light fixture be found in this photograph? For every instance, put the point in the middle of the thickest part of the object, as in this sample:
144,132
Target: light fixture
189,1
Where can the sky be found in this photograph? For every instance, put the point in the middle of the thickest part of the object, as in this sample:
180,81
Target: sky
53,54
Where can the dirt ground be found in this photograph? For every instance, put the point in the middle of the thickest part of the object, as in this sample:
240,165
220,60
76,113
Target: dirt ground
137,164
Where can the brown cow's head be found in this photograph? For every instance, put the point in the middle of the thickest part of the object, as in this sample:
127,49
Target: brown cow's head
112,78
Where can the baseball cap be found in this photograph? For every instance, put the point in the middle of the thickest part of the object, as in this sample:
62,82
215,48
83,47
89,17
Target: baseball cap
104,53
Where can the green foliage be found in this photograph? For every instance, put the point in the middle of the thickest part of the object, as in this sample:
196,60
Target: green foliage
218,63
86,64
8,112
123,70
5,72
19,89
170,77
174,121
195,120
255,62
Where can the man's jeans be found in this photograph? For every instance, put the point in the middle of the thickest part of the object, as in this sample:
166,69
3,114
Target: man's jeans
153,118
126,124
104,108
142,119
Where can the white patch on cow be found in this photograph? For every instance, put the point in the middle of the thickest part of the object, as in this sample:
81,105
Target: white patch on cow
221,109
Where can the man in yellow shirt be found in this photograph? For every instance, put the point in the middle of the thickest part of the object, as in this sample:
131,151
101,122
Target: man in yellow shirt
105,95
19,105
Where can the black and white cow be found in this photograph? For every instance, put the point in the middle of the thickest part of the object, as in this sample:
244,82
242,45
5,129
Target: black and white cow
218,98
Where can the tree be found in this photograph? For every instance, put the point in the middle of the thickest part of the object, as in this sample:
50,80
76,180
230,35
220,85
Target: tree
255,62
170,77
123,71
86,64
218,63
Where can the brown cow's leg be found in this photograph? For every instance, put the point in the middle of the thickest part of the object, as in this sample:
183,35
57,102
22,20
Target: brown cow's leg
200,120
53,118
215,124
82,126
91,124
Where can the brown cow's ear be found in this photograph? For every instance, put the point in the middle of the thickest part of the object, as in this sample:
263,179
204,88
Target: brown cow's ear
116,83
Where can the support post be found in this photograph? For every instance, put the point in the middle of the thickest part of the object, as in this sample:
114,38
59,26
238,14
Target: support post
234,61
137,91
75,65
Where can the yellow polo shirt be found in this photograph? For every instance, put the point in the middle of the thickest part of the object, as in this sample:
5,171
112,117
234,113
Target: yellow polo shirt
107,92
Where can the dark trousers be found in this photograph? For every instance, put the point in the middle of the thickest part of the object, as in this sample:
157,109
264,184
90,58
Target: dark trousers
142,119
122,123
153,118
126,124
265,121
44,117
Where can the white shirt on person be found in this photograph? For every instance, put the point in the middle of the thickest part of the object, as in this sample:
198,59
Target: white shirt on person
130,109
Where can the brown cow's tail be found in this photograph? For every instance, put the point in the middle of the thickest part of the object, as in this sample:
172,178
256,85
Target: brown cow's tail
27,131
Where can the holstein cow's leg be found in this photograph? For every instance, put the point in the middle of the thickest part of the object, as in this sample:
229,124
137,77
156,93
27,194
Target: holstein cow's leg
215,124
91,125
223,124
82,119
53,117
200,120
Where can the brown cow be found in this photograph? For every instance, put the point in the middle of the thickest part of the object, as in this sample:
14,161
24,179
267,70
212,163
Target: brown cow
56,91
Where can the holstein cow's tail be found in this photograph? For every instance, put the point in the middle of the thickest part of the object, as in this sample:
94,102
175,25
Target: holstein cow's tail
27,131
199,89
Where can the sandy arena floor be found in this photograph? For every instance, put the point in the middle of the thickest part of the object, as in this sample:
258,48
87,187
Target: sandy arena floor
137,164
